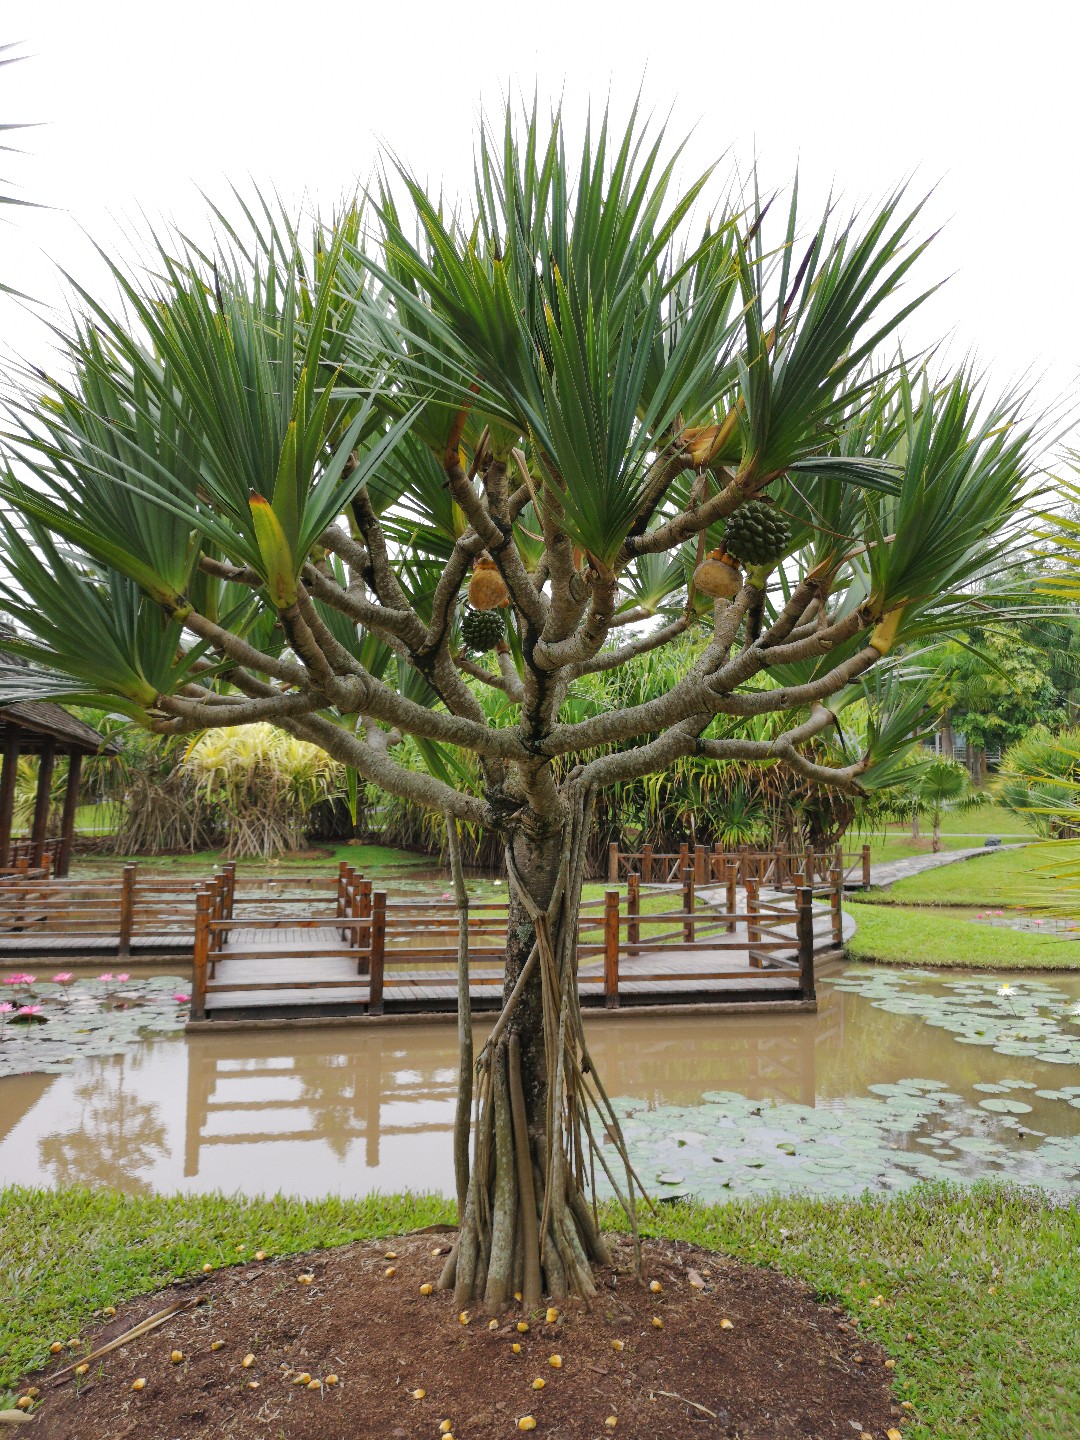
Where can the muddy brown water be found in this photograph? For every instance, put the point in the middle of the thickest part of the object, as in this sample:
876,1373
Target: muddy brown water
332,1111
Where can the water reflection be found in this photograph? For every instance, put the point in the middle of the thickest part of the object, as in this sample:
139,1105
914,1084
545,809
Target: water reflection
331,1111
117,1138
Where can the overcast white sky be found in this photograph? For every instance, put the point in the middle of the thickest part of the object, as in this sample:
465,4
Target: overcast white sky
142,104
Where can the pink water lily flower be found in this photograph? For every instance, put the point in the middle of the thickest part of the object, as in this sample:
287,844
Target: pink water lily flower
63,977
6,1008
181,999
29,1010
107,976
124,976
19,980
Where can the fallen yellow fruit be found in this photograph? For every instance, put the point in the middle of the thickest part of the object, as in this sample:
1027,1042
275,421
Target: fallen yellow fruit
444,1427
139,1384
655,1286
526,1423
109,1311
516,1348
552,1315
253,1385
248,1361
207,1268
390,1255
538,1384
330,1380
418,1394
611,1421
260,1254
523,1327
617,1344
464,1318
23,1403
302,1379
894,1434
726,1325
658,1324
313,1385
426,1289
390,1271
517,1294
81,1369
33,1392
555,1361
176,1356
304,1279
493,1324
55,1348
217,1344
890,1364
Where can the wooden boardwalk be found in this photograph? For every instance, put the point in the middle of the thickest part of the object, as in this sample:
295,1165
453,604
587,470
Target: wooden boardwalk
294,946
290,972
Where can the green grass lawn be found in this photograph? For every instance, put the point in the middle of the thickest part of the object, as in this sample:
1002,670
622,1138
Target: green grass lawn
364,857
892,935
1013,877
979,1285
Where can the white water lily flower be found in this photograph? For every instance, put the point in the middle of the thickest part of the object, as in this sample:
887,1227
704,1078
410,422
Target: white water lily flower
1006,990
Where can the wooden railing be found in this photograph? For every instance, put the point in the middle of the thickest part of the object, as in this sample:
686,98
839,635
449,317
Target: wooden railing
407,947
782,869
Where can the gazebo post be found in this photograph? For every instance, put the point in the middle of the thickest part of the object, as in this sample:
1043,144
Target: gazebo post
41,803
67,819
8,776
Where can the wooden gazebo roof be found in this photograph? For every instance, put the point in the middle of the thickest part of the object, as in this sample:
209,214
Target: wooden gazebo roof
39,721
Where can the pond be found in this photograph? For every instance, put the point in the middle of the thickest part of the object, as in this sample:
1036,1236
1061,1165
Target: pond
900,1076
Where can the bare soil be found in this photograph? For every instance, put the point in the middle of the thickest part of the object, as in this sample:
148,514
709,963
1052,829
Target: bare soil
385,1362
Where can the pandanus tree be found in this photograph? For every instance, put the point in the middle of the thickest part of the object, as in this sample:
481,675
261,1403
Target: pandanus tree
281,477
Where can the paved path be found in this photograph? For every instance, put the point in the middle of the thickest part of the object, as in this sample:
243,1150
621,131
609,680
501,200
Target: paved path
889,871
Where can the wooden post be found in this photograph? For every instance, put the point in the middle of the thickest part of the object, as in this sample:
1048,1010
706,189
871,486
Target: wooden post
688,902
127,909
753,923
804,928
41,802
230,889
810,867
684,857
633,910
363,909
732,881
836,890
200,956
700,875
342,881
613,863
866,867
67,819
646,863
8,777
611,948
377,954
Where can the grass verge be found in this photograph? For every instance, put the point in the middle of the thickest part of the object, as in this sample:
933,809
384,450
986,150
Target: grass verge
979,1285
1012,877
890,935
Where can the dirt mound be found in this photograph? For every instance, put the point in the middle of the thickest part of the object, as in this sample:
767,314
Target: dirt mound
739,1351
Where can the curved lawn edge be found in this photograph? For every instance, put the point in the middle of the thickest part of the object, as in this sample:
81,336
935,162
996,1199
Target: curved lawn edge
893,935
970,1280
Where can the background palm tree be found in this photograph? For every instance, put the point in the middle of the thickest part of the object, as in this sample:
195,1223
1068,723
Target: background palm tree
261,489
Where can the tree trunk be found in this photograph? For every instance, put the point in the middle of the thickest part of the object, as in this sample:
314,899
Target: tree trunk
528,1225
937,832
915,824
